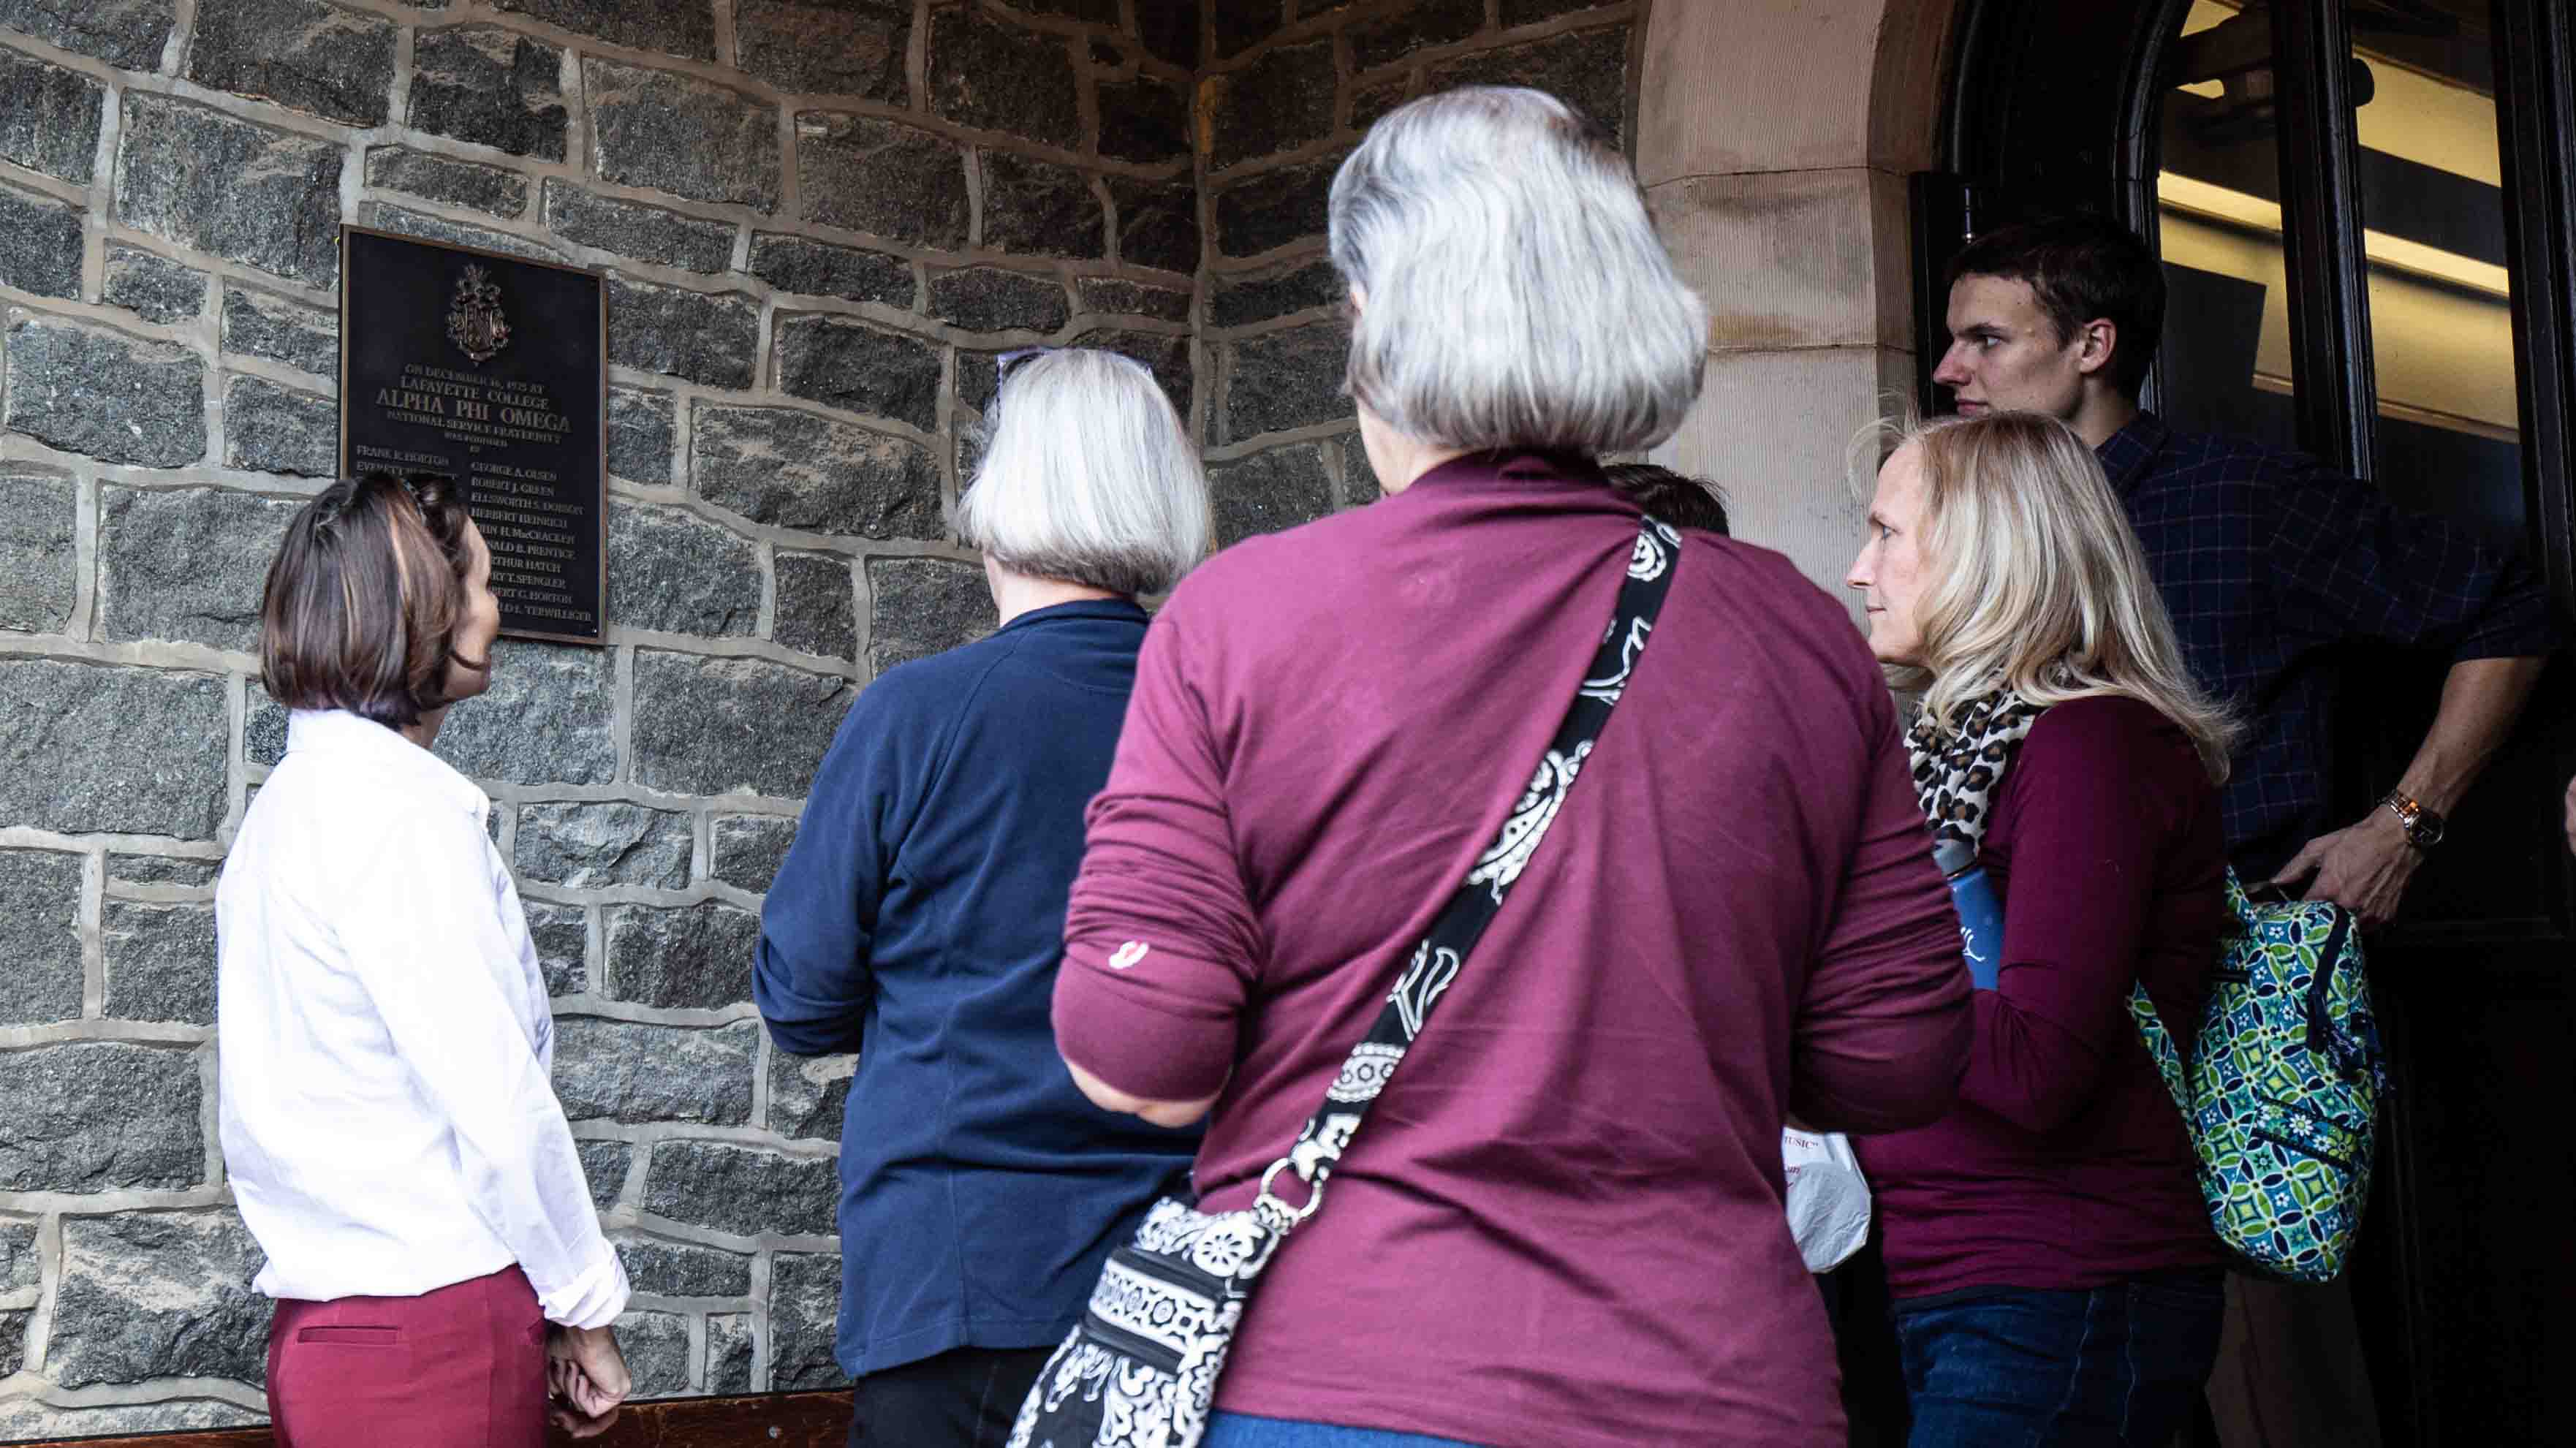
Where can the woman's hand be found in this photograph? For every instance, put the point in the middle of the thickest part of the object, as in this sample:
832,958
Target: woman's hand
587,1377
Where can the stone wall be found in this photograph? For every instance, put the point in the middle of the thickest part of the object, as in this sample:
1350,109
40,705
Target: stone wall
821,220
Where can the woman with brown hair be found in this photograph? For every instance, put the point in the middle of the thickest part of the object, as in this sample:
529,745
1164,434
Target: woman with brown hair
388,1125
2056,1280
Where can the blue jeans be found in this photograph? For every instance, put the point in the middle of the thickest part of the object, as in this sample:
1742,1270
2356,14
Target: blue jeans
1242,1430
2118,1367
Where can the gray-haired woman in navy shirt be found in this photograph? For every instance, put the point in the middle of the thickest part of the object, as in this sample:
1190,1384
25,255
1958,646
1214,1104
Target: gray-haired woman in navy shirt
919,916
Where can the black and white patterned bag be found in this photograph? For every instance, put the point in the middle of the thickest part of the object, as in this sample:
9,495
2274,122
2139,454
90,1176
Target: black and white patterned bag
1140,1369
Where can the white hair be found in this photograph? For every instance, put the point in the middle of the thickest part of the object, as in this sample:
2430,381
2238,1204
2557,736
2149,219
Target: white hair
1087,477
1512,291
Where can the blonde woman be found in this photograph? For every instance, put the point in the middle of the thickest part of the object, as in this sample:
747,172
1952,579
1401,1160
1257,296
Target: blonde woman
2054,1275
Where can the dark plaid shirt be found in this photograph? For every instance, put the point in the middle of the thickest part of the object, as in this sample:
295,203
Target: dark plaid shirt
2267,561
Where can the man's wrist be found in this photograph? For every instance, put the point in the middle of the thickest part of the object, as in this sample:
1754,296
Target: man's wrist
2423,825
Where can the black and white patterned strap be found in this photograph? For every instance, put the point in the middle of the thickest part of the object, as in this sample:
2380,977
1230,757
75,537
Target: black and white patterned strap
1436,961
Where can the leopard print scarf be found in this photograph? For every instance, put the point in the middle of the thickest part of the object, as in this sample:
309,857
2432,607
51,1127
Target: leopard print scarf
1956,770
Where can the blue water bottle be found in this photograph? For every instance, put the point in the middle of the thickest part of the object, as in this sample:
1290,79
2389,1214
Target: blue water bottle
1981,910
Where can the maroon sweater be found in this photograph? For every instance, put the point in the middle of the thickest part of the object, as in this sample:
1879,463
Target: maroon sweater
1563,1224
2065,1164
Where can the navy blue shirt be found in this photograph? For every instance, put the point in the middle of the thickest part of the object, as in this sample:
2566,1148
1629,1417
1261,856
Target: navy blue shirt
918,920
2268,560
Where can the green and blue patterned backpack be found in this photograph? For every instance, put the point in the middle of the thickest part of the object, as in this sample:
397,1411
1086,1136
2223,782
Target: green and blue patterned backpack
2281,1090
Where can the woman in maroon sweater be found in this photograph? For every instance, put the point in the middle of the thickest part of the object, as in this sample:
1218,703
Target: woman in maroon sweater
2055,1277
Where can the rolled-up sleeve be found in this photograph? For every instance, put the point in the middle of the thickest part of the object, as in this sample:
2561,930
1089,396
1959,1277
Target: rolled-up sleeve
1161,944
813,977
432,952
1884,1028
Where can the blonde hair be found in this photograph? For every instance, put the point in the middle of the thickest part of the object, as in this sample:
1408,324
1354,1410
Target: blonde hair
2035,580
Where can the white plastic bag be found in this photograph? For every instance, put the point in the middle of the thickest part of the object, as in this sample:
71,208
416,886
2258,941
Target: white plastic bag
1828,1197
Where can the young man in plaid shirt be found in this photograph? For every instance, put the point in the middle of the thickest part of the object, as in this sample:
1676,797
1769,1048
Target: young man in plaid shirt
2268,562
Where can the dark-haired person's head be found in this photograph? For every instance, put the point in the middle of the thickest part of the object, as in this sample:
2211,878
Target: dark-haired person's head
1681,501
2060,316
380,602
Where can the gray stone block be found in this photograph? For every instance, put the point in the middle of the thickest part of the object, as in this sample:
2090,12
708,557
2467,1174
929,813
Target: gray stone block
1359,479
385,216
656,1348
640,434
748,849
13,1339
923,606
1388,38
149,1295
845,363
185,563
882,177
729,1342
631,228
817,609
683,1269
594,846
809,1095
1118,296
1269,491
306,55
263,727
635,1073
1158,223
681,957
545,720
990,74
795,469
709,337
794,264
826,47
561,936
273,429
93,747
1586,69
39,512
1038,208
490,86
99,1116
160,962
116,398
20,1268
215,183
685,28
1239,27
804,1310
680,134
675,572
1170,29
1284,379
40,938
496,189
1370,103
747,1191
1166,354
124,33
49,115
162,870
1274,209
1147,120
1525,12
264,324
40,244
991,299
721,726
152,287
604,1164
1094,12
1235,301
23,1418
1279,102
978,378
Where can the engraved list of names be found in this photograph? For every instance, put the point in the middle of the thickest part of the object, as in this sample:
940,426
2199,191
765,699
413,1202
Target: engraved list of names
490,369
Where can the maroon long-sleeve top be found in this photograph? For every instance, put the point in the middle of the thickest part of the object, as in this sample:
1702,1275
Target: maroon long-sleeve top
1563,1223
2065,1164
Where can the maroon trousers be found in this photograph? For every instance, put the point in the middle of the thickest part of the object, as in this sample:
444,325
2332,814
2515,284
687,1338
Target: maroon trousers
461,1367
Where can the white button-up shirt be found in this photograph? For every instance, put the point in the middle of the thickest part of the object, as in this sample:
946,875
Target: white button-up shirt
387,1117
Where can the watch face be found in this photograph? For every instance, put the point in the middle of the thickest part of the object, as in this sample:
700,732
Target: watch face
2427,829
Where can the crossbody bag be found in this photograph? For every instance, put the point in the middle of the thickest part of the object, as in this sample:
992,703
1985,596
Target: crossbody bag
1140,1369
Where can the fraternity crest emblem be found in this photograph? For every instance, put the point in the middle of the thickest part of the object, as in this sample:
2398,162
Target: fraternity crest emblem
474,321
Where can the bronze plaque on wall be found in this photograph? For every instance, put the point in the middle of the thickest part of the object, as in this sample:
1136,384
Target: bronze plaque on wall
493,370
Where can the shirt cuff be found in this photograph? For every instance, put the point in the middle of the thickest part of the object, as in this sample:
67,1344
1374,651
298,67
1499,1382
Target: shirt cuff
595,1298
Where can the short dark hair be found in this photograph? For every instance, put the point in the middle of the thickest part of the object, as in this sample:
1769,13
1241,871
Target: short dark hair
2081,266
364,598
1681,501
